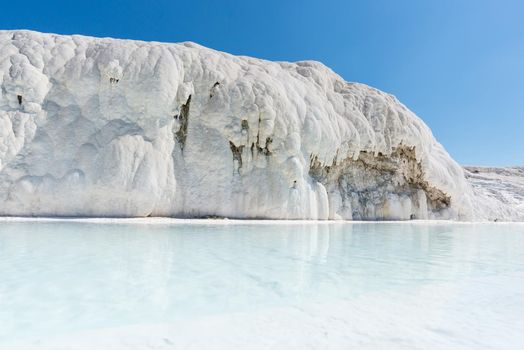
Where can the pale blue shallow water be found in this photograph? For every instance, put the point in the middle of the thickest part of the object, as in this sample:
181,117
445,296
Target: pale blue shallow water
61,277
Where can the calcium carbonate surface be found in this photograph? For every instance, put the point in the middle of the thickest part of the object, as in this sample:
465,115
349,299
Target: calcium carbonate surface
105,127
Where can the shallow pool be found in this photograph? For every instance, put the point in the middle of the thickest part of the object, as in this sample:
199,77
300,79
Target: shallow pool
170,284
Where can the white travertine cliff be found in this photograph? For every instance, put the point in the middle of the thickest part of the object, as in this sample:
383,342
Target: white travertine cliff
104,127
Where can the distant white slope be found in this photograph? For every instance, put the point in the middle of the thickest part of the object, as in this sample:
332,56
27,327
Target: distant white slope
104,127
499,192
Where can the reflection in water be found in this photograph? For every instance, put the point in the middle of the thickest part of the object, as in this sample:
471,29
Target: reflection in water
64,276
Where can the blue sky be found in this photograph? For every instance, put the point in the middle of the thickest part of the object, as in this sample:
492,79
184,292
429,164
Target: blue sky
458,64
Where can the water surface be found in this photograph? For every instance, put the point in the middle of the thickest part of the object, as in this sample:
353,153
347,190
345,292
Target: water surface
334,285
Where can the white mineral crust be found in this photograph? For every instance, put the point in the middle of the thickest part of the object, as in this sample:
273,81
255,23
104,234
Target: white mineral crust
104,127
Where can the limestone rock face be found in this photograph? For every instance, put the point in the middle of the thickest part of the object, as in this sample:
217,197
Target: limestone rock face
104,127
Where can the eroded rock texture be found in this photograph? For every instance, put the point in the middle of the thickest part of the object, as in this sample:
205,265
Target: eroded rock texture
380,187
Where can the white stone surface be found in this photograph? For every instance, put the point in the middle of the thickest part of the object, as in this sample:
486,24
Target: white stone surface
499,192
104,127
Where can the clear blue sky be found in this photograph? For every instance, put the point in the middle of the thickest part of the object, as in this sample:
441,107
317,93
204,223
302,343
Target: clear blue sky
458,64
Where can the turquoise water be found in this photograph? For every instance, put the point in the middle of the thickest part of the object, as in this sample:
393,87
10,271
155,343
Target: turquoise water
62,277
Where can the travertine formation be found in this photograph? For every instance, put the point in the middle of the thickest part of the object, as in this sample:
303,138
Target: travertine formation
104,127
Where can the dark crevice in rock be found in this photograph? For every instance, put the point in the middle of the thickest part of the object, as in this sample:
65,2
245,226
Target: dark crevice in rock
258,132
237,154
181,134
244,125
265,150
256,145
211,91
19,97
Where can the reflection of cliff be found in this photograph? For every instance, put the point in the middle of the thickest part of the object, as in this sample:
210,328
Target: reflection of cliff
98,274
